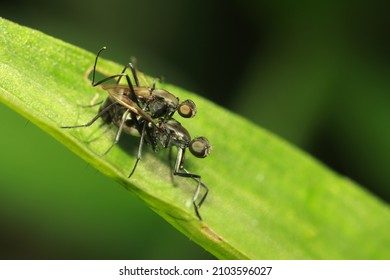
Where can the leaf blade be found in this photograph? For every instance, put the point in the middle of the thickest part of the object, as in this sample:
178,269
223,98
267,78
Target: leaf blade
267,199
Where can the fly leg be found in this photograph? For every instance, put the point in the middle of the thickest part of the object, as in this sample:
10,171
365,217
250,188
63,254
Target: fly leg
196,177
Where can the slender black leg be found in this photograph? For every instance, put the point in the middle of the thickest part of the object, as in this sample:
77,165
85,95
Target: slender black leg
130,65
132,92
200,183
197,178
134,74
170,163
94,66
101,113
119,132
133,96
139,154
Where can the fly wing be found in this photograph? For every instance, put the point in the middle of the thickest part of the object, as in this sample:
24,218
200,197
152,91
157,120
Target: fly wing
128,103
120,94
118,89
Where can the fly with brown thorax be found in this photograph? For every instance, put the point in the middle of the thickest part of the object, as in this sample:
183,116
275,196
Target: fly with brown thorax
154,101
147,112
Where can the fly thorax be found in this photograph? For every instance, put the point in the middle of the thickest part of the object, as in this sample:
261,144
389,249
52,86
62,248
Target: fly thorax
163,102
179,136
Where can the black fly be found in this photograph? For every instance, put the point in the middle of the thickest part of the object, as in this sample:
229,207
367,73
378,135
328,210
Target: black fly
147,112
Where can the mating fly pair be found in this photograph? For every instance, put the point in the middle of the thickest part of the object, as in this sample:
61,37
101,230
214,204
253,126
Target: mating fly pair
147,112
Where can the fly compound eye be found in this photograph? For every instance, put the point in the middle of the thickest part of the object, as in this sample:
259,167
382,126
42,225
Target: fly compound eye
187,109
200,147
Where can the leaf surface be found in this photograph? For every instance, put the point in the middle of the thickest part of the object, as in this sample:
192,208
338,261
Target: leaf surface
267,200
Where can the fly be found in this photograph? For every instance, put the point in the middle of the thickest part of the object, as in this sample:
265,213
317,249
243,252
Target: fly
148,113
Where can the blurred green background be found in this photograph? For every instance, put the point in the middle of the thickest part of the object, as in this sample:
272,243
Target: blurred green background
315,73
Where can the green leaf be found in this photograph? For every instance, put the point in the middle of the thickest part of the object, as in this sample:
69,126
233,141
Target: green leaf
267,199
